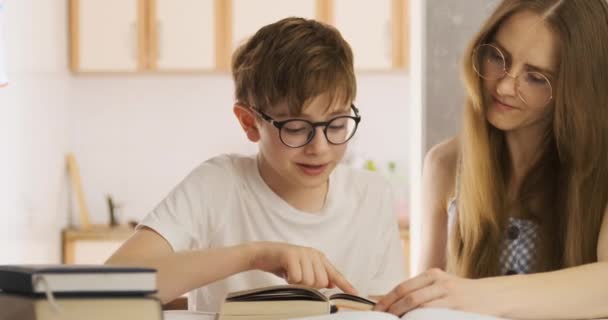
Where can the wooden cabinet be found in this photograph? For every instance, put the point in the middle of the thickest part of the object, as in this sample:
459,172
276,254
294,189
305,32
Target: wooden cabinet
182,35
94,245
200,35
249,16
107,35
366,25
374,30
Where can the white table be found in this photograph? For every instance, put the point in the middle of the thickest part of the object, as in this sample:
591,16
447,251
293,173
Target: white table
420,314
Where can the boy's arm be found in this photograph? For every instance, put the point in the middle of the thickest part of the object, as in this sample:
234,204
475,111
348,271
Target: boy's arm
180,272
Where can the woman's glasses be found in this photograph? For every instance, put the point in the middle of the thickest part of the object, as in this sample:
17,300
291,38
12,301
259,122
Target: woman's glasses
533,88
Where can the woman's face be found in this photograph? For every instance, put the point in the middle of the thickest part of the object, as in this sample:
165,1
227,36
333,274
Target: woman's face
523,97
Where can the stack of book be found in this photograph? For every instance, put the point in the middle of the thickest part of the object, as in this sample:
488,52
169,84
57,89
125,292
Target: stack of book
54,292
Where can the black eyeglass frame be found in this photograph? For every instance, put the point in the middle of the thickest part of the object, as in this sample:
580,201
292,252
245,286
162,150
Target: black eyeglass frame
280,124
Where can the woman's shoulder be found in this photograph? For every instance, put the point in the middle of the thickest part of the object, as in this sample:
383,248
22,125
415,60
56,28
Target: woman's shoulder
443,157
441,168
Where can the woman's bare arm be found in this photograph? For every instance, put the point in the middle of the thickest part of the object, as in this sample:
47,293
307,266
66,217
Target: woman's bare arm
437,187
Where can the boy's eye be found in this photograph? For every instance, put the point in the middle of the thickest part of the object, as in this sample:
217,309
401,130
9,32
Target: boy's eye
338,124
296,127
295,131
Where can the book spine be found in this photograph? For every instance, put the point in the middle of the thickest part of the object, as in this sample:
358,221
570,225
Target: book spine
17,282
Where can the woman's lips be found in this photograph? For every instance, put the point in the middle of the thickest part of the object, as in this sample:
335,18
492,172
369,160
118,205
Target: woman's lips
501,106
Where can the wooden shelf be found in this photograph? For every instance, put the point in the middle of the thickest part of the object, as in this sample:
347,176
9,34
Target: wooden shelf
181,303
96,233
404,233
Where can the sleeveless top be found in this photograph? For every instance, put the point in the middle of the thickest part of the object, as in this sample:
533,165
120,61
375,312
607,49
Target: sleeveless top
519,246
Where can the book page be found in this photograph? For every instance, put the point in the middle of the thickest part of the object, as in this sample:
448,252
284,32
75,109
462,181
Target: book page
189,315
277,293
436,314
363,315
418,314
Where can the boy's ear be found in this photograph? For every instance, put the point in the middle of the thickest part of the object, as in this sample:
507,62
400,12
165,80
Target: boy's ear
246,118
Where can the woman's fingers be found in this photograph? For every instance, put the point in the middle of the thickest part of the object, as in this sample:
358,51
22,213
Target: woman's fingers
420,297
407,287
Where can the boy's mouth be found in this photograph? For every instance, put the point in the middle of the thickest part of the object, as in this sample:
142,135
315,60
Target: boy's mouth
312,169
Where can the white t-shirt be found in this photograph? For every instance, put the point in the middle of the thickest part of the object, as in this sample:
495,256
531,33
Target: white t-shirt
226,202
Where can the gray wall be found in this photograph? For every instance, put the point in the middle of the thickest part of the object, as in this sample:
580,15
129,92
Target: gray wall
450,25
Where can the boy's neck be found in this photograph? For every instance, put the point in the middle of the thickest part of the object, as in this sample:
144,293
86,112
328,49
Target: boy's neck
311,200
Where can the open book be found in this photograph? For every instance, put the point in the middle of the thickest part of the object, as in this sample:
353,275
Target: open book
418,314
288,301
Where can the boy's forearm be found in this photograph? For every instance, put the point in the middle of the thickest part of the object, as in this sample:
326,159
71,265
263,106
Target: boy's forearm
183,271
578,292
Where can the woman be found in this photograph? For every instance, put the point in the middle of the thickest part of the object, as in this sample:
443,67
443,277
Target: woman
516,208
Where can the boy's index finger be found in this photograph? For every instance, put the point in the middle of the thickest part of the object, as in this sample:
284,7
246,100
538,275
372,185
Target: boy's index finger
343,285
337,279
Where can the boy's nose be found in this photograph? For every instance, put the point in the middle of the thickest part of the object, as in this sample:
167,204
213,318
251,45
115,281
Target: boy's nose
318,143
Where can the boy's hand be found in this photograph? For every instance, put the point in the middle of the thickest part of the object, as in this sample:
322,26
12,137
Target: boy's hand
298,265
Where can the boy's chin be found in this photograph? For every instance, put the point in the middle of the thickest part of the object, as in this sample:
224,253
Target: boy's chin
311,182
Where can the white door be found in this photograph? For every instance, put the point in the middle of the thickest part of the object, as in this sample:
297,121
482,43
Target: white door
185,35
366,26
108,35
248,15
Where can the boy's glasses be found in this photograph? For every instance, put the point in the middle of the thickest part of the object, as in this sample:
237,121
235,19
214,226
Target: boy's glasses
533,88
296,133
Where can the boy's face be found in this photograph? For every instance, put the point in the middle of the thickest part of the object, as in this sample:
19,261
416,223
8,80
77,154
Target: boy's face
308,166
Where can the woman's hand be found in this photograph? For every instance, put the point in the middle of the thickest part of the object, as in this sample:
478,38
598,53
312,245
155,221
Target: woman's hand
438,289
298,265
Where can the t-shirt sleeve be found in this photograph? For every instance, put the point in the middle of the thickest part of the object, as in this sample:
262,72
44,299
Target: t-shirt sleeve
391,263
185,217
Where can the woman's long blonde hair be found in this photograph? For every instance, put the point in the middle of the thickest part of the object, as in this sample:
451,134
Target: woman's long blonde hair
566,191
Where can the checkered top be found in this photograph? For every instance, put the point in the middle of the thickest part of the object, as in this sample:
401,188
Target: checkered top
519,245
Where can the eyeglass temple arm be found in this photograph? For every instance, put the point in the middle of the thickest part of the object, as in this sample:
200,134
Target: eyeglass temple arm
263,115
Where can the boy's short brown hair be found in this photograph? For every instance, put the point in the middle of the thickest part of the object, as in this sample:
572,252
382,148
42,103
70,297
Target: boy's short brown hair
293,60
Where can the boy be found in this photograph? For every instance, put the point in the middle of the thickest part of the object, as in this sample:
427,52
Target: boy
236,220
